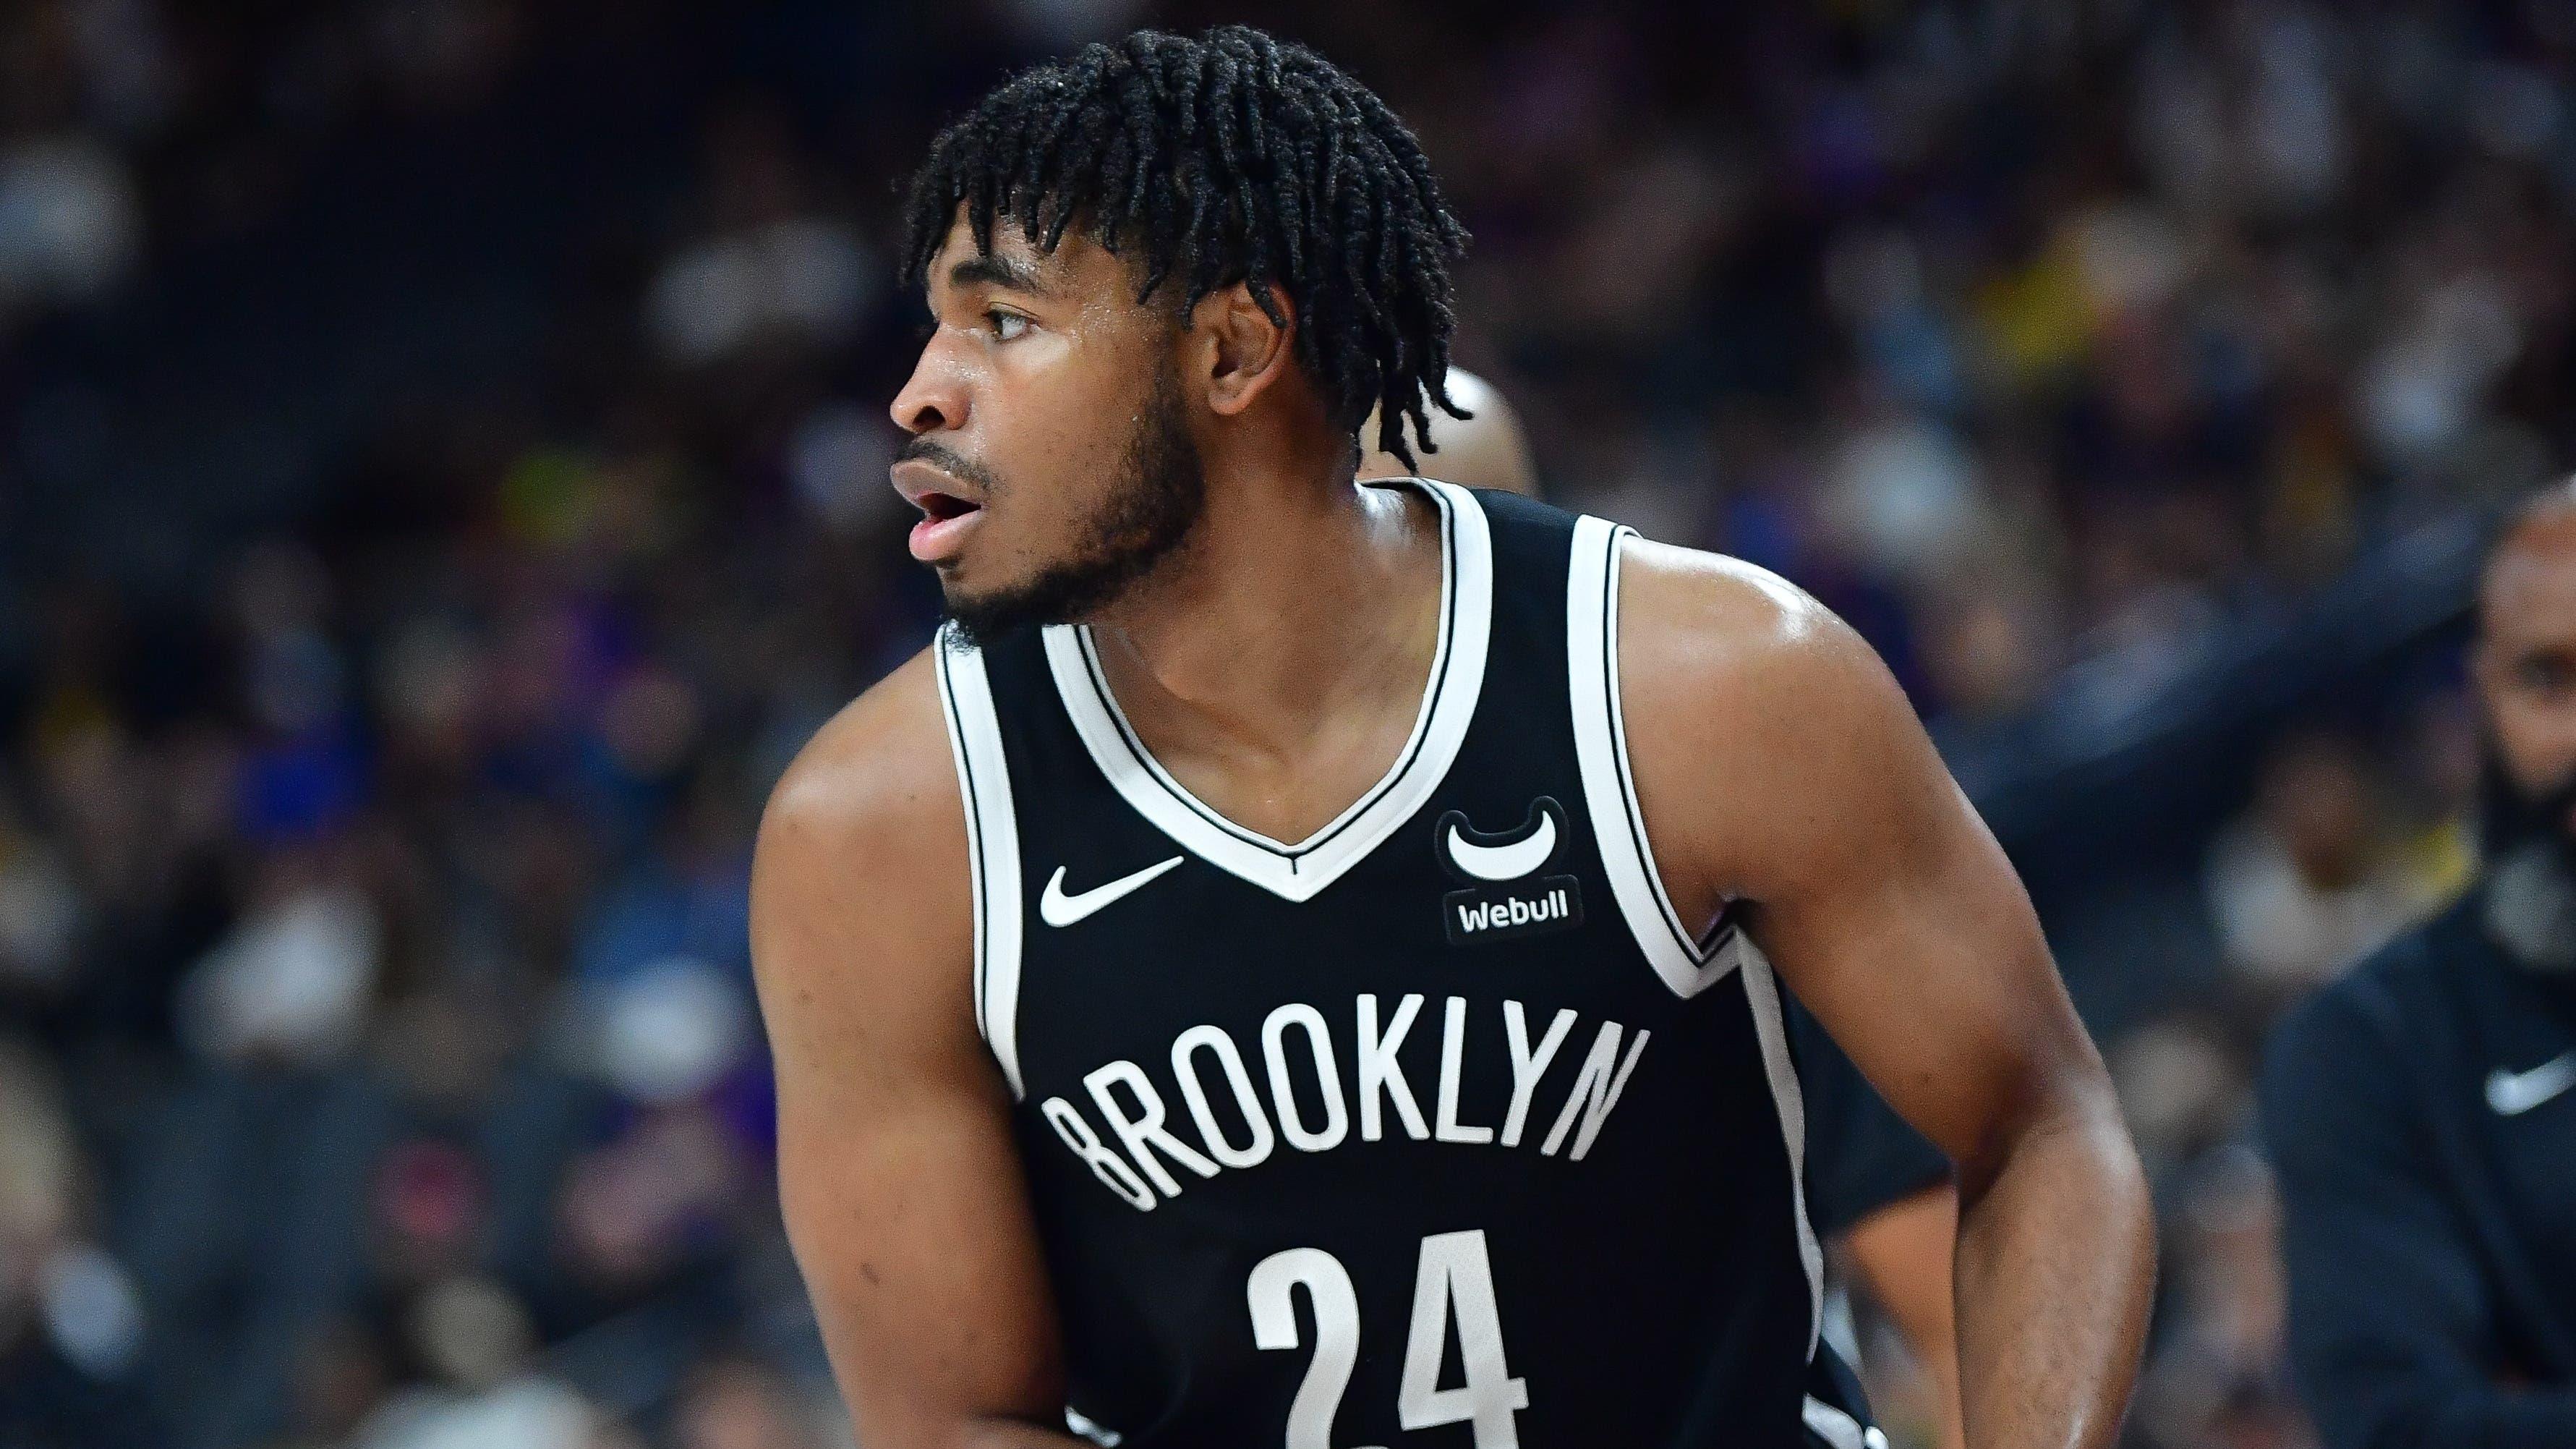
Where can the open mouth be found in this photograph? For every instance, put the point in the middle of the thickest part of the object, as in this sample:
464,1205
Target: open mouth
947,514
945,521
940,507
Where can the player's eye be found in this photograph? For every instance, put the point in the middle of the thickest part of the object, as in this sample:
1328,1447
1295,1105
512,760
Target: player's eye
1006,325
2547,674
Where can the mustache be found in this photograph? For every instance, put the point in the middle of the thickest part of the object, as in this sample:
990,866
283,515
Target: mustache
949,461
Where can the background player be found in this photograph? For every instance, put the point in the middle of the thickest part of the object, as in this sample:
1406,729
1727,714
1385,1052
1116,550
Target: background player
1175,472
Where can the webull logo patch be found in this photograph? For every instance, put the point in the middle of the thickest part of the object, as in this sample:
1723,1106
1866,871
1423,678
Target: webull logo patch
1504,895
1475,916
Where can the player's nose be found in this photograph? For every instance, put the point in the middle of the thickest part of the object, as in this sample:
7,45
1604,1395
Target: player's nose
933,399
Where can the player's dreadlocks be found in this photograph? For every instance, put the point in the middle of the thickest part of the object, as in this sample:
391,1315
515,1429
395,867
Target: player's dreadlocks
1227,158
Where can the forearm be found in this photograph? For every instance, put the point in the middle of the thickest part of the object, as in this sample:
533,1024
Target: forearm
2055,1265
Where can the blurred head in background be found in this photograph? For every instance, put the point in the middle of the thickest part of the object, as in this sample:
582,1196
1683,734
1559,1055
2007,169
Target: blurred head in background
1163,262
2525,666
1483,447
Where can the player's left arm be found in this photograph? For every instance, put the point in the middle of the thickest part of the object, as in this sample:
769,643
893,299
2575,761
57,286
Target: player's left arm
1779,767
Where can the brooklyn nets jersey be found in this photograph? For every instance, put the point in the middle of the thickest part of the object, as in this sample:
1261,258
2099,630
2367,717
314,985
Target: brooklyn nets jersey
1435,1129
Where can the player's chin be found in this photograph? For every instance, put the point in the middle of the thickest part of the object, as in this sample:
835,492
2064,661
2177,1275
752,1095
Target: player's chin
982,566
984,609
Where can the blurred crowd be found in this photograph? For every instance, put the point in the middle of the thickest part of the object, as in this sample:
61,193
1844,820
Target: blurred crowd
444,483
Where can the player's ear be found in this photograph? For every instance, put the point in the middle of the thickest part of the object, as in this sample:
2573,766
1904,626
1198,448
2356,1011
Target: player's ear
1241,348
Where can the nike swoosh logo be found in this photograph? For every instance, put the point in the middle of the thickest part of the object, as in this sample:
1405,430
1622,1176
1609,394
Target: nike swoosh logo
1058,909
2514,1093
1504,862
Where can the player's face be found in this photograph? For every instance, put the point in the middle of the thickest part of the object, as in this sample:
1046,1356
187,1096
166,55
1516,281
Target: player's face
2526,656
1050,453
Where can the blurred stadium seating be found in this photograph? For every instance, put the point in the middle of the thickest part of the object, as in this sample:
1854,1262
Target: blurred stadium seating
442,481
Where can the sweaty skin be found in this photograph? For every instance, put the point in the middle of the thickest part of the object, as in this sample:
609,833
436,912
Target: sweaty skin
1902,1250
1274,665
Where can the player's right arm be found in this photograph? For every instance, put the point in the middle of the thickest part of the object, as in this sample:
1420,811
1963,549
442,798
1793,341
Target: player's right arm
896,1168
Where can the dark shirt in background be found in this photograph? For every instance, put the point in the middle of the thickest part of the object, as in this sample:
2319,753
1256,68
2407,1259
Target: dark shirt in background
2421,1118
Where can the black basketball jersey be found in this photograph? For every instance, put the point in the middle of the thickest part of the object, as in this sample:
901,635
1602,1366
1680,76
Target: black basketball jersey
1435,1129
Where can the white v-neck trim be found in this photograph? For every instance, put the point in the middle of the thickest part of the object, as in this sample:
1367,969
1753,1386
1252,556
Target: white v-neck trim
1299,872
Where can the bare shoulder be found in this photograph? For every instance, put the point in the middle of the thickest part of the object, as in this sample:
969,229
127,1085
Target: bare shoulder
874,772
860,880
1715,646
1759,724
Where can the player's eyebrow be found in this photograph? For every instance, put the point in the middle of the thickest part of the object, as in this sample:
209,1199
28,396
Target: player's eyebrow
1011,274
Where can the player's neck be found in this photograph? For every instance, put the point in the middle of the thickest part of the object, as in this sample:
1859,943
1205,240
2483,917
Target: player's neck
1294,603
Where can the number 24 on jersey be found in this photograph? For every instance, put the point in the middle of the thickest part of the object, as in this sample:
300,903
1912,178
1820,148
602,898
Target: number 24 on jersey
1454,1270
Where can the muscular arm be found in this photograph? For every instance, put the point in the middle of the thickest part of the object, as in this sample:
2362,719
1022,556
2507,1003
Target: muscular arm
1778,765
896,1170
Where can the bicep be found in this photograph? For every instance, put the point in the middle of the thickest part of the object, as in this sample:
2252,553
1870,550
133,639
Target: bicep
1861,1156
1785,772
1917,949
898,1174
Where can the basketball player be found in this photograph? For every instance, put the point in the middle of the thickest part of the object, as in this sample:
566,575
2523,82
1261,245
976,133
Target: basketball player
1293,965
1879,1195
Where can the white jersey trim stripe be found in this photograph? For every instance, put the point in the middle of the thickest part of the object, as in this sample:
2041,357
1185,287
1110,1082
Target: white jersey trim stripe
1619,832
1838,1430
993,846
1601,754
1762,994
1301,871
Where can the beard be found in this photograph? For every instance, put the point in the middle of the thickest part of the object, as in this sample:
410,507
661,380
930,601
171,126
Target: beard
2531,869
1158,499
